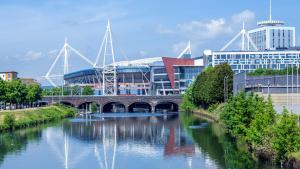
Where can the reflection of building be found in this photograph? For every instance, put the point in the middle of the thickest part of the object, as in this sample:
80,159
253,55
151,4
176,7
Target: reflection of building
177,146
144,131
152,76
9,76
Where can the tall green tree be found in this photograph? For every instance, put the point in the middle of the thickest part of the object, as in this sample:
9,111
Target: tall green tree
16,92
2,90
213,85
34,93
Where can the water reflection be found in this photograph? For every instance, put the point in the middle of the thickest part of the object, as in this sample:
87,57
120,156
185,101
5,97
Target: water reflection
147,142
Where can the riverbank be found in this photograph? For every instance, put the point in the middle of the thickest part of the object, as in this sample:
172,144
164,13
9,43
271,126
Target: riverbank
17,119
293,160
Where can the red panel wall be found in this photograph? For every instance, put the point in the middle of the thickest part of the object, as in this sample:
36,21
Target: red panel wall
170,62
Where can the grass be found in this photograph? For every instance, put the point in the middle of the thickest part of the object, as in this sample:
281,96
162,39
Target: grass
295,155
32,117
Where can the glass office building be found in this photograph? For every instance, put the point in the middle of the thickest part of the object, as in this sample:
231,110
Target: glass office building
273,37
248,61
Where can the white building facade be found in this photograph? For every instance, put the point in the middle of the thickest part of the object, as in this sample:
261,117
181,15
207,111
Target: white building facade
275,37
249,61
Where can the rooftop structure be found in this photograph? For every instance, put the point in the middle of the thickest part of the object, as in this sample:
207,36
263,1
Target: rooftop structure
272,34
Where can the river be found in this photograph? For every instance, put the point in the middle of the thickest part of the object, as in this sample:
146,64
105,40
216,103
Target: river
124,141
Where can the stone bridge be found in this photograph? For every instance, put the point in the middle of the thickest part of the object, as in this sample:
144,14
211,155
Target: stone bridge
121,103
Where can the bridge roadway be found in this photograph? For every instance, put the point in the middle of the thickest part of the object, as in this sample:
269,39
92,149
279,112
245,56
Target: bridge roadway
127,102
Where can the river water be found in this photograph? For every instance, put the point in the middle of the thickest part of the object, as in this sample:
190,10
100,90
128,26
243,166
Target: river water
124,141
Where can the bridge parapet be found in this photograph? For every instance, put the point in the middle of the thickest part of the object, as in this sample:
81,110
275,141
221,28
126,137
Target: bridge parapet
76,101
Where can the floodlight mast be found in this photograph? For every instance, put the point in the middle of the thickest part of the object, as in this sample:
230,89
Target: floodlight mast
109,75
243,34
65,53
187,50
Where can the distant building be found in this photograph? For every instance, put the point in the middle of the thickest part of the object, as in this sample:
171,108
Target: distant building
271,84
272,34
29,81
271,46
249,61
9,76
151,76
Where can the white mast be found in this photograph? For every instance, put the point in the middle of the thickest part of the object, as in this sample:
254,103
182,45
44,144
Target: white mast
109,75
187,50
65,53
270,10
244,35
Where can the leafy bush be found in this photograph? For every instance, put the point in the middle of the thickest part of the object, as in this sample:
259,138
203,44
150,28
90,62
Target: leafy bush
209,87
286,135
254,120
213,107
187,101
9,120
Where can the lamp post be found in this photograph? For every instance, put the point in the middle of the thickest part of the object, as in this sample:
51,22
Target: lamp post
225,88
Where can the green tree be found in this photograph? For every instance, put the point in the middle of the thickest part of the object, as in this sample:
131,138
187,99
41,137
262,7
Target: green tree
187,100
213,84
16,92
34,93
258,133
286,135
87,90
3,90
240,111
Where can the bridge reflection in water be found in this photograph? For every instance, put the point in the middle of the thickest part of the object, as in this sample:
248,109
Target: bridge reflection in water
142,136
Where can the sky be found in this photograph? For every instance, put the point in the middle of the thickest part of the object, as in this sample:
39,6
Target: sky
33,31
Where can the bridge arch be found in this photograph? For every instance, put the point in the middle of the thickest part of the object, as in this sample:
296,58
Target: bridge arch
66,103
91,107
166,106
114,107
139,107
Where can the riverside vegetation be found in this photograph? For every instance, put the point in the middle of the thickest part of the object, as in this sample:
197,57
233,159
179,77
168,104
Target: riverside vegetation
19,96
248,118
17,119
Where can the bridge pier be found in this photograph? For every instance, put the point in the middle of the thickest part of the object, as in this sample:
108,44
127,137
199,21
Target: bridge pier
152,109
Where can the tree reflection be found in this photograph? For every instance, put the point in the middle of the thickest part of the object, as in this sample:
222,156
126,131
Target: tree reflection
213,141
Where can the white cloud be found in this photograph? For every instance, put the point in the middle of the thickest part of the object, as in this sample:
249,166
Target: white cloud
53,53
205,29
163,30
202,32
32,55
104,16
246,16
28,56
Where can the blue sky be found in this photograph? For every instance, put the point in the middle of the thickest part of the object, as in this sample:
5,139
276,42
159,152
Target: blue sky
32,31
